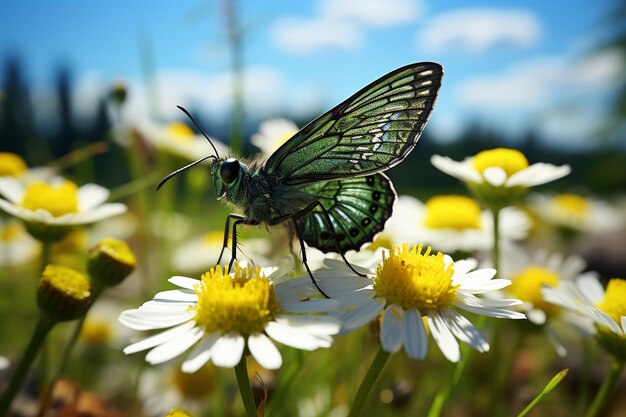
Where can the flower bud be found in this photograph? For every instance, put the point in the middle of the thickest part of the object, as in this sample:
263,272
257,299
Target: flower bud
63,293
110,262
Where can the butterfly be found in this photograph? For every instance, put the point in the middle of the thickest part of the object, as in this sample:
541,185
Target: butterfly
327,182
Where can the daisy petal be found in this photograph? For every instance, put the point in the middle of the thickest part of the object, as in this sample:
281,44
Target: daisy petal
11,189
495,176
174,347
415,337
392,329
177,295
200,354
465,331
91,196
298,339
159,338
362,314
443,336
264,351
318,305
227,350
185,282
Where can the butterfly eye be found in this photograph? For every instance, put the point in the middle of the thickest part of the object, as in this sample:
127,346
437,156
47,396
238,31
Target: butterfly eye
229,170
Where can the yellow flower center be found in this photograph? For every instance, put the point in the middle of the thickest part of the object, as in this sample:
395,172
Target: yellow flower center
68,281
614,301
510,160
118,250
527,284
452,211
571,204
96,331
58,199
240,304
195,386
178,412
180,132
11,165
412,279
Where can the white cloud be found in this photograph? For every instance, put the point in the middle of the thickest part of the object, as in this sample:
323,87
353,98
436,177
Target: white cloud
340,24
302,36
531,84
560,95
476,30
372,12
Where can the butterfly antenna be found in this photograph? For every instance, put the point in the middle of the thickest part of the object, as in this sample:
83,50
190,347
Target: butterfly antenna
179,170
199,128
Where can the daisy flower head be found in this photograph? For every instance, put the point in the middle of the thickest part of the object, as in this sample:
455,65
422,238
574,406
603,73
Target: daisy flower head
272,134
606,308
453,223
178,139
573,212
499,177
50,209
225,311
412,285
529,274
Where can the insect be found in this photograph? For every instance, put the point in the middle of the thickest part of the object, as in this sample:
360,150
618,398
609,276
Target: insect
326,182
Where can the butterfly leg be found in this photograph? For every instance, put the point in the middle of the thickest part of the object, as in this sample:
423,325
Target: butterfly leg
304,258
237,221
306,211
226,231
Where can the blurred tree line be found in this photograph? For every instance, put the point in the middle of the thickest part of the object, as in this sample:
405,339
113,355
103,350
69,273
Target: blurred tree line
601,170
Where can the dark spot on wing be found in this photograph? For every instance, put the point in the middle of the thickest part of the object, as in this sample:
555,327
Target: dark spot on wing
354,232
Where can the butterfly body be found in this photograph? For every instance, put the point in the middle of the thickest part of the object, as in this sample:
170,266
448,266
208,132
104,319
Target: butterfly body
260,197
326,182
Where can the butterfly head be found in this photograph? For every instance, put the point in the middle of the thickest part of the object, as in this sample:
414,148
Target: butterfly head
227,174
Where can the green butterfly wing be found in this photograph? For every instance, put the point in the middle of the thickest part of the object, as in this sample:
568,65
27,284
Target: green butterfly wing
370,132
358,208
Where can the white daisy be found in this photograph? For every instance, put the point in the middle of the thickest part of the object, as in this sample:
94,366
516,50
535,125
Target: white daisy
56,205
16,246
500,167
589,300
178,139
529,274
409,286
220,314
453,223
272,134
575,212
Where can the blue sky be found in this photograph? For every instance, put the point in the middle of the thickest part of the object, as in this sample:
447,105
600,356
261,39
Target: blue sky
510,64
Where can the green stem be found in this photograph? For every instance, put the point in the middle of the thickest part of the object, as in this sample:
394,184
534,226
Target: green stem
43,403
241,371
607,388
43,327
46,257
368,382
496,238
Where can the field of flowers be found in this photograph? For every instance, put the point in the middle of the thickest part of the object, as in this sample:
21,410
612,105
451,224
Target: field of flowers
150,269
464,305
